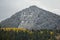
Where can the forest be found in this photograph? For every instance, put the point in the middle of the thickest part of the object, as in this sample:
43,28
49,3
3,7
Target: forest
25,34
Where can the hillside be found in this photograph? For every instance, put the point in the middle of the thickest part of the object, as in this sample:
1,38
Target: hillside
33,18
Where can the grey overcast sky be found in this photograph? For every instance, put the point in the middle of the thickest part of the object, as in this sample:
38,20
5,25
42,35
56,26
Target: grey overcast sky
9,7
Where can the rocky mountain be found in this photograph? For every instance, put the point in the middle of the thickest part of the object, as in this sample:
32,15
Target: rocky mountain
33,18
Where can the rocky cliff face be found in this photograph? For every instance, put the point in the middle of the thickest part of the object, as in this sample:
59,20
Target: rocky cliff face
33,18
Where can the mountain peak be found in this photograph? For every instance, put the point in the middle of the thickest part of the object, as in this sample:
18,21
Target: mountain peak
33,6
33,18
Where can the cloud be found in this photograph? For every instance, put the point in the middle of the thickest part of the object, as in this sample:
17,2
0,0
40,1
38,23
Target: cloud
9,7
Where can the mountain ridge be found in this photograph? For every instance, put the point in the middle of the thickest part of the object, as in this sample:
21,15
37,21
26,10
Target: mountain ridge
33,18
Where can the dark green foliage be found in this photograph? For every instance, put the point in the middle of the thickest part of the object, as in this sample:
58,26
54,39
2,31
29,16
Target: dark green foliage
0,25
21,35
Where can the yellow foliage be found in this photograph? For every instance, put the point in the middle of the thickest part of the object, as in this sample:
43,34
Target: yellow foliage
51,33
41,32
13,29
31,32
